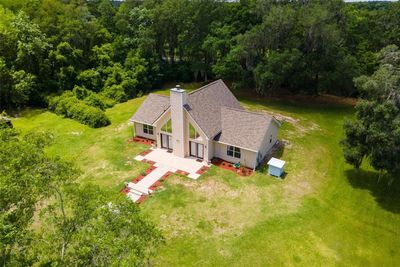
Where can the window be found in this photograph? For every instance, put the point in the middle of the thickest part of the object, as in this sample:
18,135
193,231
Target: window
167,127
233,152
270,139
148,129
193,134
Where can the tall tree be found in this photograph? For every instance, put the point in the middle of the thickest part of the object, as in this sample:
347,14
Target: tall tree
32,44
27,174
107,13
65,61
15,87
90,229
375,133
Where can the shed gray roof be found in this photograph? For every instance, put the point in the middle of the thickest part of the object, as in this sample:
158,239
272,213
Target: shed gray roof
152,108
243,128
204,105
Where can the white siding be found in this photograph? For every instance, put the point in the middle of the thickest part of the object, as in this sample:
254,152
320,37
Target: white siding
210,150
271,136
139,131
247,158
208,153
159,124
202,140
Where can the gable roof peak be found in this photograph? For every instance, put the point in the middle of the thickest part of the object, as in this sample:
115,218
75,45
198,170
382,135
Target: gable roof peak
205,106
208,85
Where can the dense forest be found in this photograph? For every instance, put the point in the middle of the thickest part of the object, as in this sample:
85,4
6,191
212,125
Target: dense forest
101,52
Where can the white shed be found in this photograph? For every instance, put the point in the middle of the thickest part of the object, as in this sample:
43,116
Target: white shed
276,167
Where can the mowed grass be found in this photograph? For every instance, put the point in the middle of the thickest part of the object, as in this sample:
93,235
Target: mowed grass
324,213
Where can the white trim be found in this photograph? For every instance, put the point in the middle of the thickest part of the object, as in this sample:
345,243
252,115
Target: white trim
256,163
148,129
236,146
162,131
141,122
234,152
196,140
159,117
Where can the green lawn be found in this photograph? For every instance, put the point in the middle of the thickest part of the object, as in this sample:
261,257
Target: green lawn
323,213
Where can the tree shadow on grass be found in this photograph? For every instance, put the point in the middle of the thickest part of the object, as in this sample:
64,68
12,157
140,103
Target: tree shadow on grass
386,194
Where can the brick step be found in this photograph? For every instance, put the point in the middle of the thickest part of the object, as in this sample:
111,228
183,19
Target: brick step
141,190
136,192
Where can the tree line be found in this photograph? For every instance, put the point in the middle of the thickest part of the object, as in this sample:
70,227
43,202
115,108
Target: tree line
122,50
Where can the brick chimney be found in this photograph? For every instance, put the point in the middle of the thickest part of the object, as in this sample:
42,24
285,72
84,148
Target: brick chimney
178,98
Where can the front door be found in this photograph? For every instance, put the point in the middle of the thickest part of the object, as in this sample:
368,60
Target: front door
196,150
166,141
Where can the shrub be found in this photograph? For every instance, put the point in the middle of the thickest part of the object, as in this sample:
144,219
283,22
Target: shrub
81,92
53,102
92,99
91,116
100,101
68,105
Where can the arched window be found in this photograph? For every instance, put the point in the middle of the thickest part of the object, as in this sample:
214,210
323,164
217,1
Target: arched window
167,127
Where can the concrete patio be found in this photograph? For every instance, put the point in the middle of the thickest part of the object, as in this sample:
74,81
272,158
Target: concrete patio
164,163
173,163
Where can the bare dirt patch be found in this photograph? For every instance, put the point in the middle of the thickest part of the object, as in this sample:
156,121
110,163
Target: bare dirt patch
300,125
121,127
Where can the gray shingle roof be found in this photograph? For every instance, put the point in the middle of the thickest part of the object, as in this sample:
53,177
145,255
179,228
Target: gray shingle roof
243,128
204,105
151,109
218,113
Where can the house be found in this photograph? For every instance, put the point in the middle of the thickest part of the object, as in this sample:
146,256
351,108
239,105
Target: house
206,123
